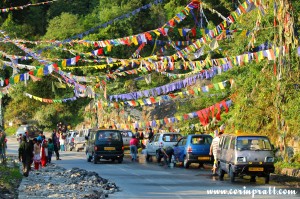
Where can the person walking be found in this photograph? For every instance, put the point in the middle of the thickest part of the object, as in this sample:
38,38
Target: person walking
214,150
133,147
50,149
55,140
37,153
62,141
44,151
25,155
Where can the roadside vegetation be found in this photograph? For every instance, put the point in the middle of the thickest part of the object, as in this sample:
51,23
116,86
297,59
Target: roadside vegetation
10,179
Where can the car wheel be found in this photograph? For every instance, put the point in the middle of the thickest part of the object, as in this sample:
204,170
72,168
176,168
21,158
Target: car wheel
120,160
186,163
221,172
267,179
158,158
77,150
231,174
148,157
95,159
252,179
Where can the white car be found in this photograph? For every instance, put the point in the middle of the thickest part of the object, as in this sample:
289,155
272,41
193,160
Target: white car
159,141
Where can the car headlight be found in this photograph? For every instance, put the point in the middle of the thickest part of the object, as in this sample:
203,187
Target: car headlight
269,159
241,159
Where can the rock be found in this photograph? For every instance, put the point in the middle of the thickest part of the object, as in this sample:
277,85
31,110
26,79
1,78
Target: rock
57,182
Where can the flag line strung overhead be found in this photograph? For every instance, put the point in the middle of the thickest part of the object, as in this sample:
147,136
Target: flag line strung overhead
3,10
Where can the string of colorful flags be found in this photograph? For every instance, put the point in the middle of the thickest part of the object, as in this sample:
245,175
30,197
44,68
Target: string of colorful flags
204,116
50,100
3,10
172,96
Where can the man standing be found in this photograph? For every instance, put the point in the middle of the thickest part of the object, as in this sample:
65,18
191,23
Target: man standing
56,144
214,149
25,155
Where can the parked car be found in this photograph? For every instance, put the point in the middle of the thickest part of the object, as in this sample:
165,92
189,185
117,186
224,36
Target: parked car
126,136
240,155
33,131
104,144
193,149
71,134
158,141
79,140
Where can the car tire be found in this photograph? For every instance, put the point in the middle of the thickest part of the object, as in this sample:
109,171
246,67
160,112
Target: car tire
95,159
186,163
113,160
252,179
267,178
148,157
120,160
221,172
158,158
231,174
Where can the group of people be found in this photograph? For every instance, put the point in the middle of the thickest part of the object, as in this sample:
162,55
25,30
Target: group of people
137,141
38,151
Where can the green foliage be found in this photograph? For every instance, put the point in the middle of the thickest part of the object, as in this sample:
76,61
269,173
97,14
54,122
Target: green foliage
63,26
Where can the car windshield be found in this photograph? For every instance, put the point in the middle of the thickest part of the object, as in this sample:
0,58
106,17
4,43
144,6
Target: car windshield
253,143
171,137
201,140
109,135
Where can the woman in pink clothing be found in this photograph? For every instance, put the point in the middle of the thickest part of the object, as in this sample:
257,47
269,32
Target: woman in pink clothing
133,147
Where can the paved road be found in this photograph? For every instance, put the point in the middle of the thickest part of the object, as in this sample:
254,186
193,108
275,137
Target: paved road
148,180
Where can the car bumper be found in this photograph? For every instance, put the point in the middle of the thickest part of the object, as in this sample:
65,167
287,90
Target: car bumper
109,156
256,169
199,158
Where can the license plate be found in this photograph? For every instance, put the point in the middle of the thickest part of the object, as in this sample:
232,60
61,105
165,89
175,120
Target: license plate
203,158
256,169
109,148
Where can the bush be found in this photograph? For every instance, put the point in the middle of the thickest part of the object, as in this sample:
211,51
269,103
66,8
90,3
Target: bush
11,131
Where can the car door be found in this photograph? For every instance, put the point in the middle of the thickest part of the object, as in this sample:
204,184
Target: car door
179,149
151,145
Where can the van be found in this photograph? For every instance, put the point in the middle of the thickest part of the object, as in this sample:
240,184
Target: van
104,144
33,131
240,155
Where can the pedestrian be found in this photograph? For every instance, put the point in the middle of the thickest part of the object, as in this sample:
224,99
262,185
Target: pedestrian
214,150
40,137
44,153
25,155
37,153
2,145
133,147
50,149
55,140
62,141
150,134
